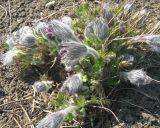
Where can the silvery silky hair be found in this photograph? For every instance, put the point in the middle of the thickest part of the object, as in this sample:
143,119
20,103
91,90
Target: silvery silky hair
8,57
67,20
55,119
27,40
100,28
52,120
89,29
13,39
41,86
45,29
26,37
72,51
153,41
107,13
25,30
23,37
72,85
137,77
128,58
62,31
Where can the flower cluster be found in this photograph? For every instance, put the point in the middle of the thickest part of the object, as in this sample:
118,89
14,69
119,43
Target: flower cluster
84,59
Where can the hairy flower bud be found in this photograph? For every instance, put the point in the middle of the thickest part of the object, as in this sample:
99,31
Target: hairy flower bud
72,51
72,85
100,28
8,58
107,13
89,29
27,40
62,31
46,30
55,119
153,41
42,86
26,37
23,37
137,77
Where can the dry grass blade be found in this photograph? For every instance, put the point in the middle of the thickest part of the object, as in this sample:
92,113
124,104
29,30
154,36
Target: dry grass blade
11,102
26,113
2,14
33,103
19,126
108,110
155,28
10,16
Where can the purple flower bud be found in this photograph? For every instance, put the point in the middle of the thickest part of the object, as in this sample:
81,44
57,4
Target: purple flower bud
72,85
46,30
72,51
62,31
137,77
100,28
41,86
55,119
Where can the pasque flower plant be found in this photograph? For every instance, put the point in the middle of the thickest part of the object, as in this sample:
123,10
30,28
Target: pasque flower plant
48,44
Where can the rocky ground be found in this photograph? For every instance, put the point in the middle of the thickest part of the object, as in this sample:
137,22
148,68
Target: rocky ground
135,107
